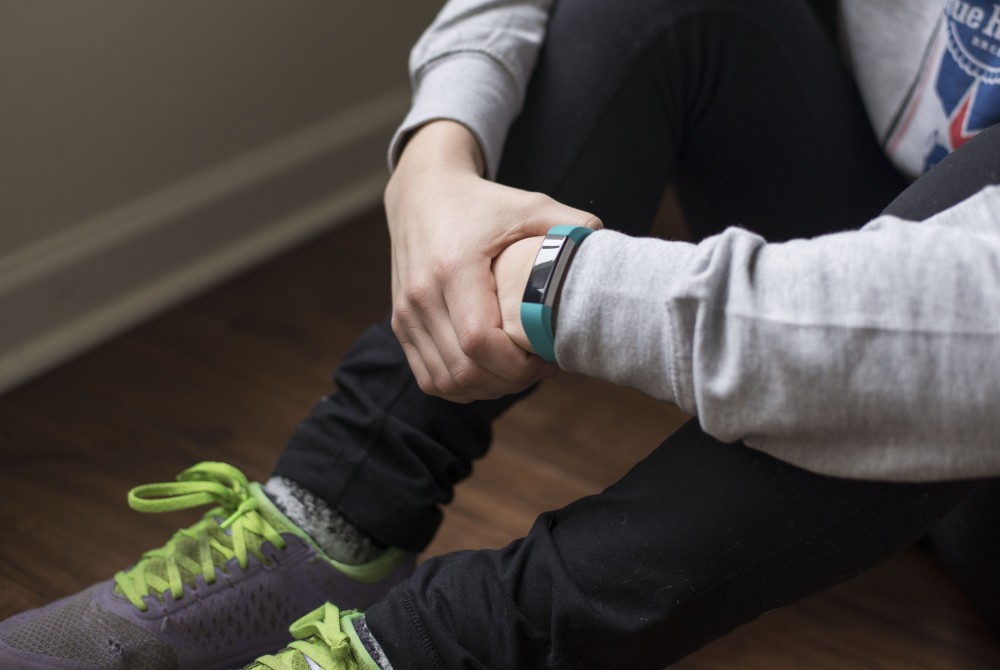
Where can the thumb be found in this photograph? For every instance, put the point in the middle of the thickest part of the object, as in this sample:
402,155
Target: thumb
554,213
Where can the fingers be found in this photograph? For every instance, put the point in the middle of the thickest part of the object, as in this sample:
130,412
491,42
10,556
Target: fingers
454,343
478,326
449,318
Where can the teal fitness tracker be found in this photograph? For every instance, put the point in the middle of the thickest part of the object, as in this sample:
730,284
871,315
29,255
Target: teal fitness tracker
544,281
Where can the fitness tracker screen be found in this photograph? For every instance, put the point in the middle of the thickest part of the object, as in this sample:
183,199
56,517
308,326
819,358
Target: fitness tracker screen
541,272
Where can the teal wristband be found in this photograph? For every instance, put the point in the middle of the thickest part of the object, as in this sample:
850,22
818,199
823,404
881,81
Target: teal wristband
544,282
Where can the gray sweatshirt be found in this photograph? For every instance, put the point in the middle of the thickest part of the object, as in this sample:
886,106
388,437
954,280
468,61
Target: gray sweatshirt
872,354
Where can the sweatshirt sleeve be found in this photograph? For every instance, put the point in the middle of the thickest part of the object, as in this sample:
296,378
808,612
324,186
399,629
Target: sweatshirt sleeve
868,354
472,65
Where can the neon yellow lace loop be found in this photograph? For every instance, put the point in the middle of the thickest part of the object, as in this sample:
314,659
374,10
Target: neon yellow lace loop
233,529
319,636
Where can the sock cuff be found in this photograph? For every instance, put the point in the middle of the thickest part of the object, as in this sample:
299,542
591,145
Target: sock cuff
338,537
370,644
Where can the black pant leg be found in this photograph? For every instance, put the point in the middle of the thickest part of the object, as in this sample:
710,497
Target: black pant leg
746,105
697,539
960,175
968,539
381,451
968,543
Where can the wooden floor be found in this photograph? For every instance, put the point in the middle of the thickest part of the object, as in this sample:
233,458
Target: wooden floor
227,377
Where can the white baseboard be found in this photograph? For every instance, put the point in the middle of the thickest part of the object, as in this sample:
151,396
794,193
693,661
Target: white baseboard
77,289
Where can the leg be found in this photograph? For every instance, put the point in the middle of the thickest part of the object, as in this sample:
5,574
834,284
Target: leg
697,539
968,543
967,540
748,108
381,451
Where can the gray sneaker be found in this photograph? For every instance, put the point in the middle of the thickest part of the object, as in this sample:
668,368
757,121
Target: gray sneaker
216,596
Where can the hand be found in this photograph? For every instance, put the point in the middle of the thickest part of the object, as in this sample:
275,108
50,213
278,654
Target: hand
511,269
447,224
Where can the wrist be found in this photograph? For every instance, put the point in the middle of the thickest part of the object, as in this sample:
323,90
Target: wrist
544,285
443,145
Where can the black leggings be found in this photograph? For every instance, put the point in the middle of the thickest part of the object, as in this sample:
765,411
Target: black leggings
746,107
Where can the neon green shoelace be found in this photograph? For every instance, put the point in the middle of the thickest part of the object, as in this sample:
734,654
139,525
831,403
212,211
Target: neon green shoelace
318,635
232,529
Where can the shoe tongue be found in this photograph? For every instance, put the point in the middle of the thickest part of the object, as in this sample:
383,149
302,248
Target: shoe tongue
309,663
290,659
272,514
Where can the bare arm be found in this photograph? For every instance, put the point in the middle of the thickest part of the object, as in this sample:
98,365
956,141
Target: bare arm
446,219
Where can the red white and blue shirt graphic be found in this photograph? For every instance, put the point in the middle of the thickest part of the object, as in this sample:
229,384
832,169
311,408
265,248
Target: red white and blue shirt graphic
956,92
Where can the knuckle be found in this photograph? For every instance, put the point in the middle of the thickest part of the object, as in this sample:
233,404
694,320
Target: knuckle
445,386
474,342
537,200
466,377
417,295
426,385
528,373
533,206
397,323
445,268
404,324
524,376
424,381
429,382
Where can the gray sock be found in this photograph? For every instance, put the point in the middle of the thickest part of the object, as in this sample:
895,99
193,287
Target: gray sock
371,645
338,537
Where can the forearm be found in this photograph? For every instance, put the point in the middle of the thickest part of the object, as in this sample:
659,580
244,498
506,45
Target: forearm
472,66
870,353
441,147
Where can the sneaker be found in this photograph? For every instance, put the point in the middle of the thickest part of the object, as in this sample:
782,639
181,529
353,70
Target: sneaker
325,639
216,596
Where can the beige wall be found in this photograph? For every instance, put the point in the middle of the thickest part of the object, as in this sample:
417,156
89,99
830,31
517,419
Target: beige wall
205,135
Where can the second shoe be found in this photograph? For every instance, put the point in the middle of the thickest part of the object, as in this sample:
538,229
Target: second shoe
216,596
